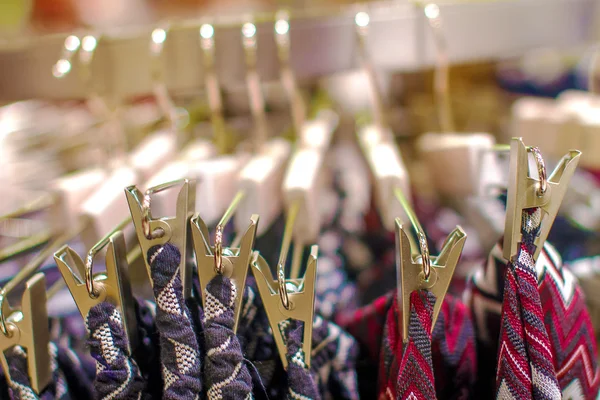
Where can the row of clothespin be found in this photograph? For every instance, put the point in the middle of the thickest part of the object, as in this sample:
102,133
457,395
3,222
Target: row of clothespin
254,183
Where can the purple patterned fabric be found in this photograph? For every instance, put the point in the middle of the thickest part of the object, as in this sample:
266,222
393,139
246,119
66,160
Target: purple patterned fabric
180,354
117,374
300,382
20,388
226,374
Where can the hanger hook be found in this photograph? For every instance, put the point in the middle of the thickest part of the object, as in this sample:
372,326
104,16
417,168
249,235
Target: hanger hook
441,74
3,328
541,166
219,250
283,293
425,259
146,216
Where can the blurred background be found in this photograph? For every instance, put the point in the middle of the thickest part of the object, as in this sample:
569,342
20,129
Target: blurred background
86,82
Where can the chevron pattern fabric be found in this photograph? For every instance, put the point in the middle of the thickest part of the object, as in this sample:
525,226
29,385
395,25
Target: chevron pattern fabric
179,351
117,374
226,372
415,378
525,365
564,316
452,349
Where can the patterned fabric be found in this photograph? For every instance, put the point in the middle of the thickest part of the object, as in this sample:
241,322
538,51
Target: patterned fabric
117,374
20,388
565,319
525,368
333,361
225,370
301,385
375,327
334,292
415,378
180,354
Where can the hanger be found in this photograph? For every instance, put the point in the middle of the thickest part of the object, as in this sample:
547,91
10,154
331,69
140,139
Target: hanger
157,231
89,289
259,182
286,299
417,269
526,190
376,140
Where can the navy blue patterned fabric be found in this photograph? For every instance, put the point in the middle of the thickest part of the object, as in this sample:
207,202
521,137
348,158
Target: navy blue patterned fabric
226,373
117,374
180,354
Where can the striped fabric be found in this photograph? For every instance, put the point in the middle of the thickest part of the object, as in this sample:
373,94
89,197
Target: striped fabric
564,316
451,349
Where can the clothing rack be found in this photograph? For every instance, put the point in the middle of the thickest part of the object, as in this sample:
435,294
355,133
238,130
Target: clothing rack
322,42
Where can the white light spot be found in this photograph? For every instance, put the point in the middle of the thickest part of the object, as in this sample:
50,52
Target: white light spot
61,68
159,36
432,11
207,31
362,19
89,43
282,27
249,30
72,43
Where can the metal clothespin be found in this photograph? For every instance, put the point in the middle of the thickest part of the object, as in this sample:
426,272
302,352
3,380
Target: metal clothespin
232,262
286,299
27,327
151,232
526,192
417,270
113,286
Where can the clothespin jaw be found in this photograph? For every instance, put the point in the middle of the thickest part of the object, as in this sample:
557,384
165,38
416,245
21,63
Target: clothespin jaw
526,192
27,327
410,270
233,262
151,232
296,301
112,286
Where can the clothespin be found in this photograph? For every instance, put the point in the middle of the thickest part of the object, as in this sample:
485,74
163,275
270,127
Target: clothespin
525,191
232,262
113,286
27,327
416,269
286,299
151,231
376,141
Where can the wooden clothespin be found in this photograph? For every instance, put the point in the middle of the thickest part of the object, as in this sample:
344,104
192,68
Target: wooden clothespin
417,270
151,231
525,191
113,286
215,260
27,327
286,299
